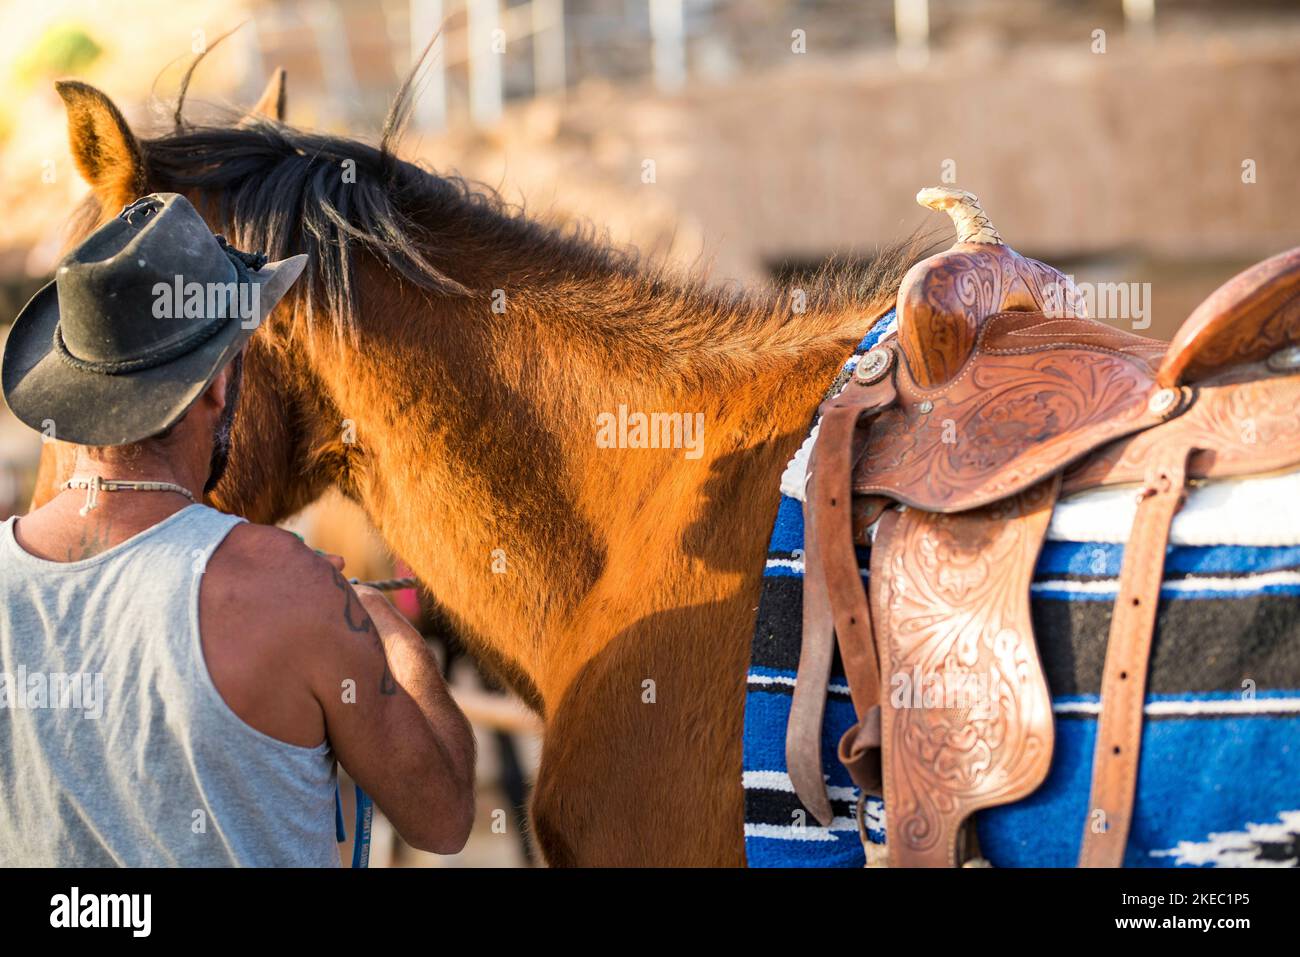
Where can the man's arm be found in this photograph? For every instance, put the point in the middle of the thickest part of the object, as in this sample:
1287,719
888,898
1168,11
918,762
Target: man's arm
390,718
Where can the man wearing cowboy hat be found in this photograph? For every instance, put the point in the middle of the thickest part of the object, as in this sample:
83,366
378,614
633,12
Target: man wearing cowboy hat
176,684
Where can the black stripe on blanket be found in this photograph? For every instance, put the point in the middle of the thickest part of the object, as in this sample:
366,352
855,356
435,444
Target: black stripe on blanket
1200,646
1203,645
782,808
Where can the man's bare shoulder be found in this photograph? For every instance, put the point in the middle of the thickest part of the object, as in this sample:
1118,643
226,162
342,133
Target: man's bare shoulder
272,575
280,608
268,607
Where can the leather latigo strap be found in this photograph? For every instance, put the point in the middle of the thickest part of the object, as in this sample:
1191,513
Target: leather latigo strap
803,733
831,568
967,720
1128,652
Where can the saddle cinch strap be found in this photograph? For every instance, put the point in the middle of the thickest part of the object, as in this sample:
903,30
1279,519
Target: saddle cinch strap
979,453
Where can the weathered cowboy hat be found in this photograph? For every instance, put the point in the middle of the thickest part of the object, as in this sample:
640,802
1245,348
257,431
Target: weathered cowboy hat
138,321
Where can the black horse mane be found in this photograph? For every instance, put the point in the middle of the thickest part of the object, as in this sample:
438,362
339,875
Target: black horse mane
284,191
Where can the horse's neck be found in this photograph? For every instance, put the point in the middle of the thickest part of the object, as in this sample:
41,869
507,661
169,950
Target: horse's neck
505,467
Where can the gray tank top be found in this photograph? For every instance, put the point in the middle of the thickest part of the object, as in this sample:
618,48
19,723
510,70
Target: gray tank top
115,746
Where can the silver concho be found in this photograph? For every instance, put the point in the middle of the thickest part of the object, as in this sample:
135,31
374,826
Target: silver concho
1163,401
1286,359
873,365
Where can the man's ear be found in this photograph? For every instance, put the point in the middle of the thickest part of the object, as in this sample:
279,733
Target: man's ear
106,152
273,102
216,390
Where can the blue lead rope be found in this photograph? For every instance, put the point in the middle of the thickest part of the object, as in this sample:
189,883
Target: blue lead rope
361,836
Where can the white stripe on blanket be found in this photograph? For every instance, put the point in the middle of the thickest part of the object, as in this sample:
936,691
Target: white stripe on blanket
780,781
793,564
1190,709
1238,848
1228,586
796,565
788,680
808,832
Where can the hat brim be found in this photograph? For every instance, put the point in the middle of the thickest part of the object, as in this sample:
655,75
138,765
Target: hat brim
52,396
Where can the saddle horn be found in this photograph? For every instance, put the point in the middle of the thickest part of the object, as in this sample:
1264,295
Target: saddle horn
965,211
944,300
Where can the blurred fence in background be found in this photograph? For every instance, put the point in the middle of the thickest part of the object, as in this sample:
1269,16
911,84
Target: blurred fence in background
493,51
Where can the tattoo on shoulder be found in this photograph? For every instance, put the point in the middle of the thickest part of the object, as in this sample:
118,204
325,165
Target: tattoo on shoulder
354,613
358,621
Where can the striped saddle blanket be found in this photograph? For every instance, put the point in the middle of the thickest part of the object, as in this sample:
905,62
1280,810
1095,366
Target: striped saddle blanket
1219,779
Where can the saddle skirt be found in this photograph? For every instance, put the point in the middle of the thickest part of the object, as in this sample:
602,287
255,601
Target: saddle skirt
952,443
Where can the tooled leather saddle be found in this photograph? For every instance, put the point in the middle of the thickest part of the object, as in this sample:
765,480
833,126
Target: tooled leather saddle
948,450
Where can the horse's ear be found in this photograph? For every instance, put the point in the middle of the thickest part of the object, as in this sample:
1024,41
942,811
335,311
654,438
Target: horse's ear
272,103
106,152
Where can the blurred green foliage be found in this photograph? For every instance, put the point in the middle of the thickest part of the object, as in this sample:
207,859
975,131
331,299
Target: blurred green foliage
63,48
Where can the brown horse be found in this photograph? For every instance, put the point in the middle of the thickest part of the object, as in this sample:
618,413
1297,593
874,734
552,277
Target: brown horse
448,364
